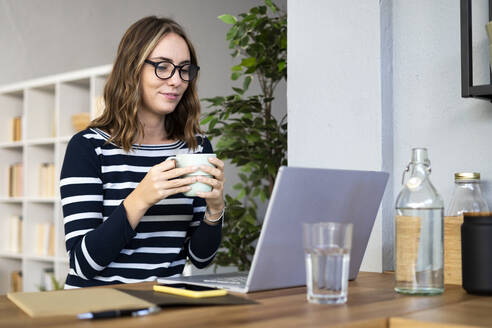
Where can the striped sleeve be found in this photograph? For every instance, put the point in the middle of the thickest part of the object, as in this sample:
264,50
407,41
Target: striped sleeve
205,239
91,243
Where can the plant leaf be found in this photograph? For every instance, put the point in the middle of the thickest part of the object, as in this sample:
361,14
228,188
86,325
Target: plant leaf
207,119
248,62
283,42
246,82
250,70
281,66
212,123
271,6
238,90
244,41
263,196
253,138
241,194
232,33
228,19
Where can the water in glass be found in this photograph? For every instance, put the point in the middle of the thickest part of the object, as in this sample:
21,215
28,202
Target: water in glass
327,272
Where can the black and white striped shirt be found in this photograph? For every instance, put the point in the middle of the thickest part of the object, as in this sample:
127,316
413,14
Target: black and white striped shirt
102,246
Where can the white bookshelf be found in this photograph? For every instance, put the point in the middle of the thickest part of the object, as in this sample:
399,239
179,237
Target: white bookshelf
46,106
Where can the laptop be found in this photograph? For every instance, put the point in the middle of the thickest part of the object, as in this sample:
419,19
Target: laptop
303,195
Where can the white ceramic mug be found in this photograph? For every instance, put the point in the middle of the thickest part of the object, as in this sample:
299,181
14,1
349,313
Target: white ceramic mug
186,160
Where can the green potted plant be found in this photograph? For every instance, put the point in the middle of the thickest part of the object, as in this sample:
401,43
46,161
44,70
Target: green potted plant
248,134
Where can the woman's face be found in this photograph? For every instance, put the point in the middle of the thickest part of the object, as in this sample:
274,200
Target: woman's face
161,97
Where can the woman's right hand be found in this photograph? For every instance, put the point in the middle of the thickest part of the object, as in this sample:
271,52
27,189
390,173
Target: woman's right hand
160,182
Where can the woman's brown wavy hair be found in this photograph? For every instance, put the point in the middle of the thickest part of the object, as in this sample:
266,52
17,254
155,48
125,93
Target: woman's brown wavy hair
122,94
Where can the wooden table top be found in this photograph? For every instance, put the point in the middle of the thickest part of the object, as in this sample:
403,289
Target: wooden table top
371,303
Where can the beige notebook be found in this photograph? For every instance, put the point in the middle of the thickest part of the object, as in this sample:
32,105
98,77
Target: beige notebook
73,302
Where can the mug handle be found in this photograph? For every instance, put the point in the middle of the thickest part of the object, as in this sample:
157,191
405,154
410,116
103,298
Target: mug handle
174,159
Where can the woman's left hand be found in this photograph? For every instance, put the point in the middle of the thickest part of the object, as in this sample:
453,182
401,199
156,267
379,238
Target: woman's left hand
214,198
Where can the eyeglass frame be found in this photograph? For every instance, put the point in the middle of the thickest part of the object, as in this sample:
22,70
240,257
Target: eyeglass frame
179,67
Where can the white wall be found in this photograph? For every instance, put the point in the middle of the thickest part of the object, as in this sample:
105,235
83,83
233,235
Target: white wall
334,91
390,80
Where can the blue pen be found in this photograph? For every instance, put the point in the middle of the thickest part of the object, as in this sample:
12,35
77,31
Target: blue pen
119,313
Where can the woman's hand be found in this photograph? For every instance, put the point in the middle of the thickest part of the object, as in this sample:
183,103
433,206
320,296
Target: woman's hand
155,186
214,198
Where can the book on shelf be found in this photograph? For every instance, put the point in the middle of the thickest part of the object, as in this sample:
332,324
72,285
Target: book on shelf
15,234
16,128
47,180
16,180
45,239
16,281
80,121
488,28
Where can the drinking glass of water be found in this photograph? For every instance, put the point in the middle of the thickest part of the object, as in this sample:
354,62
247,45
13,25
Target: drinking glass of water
327,246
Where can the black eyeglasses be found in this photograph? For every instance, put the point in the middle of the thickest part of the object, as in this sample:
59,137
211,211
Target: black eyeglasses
165,70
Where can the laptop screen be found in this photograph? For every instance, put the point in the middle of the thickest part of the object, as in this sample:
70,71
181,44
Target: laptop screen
312,195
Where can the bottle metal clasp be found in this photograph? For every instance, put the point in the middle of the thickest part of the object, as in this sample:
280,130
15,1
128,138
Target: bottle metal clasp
407,168
405,172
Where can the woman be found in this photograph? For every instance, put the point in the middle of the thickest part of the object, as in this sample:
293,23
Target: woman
126,219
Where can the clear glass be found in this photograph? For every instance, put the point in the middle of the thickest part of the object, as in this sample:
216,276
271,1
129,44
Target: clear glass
327,246
419,232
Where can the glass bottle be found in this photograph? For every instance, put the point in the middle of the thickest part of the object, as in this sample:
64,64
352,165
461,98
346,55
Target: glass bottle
419,231
467,197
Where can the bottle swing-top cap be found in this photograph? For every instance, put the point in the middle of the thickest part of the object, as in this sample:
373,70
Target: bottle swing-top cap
419,155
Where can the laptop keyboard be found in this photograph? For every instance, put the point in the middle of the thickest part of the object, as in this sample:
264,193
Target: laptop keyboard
237,280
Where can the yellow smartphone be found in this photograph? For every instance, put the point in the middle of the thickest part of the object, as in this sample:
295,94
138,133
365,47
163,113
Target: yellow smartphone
189,290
